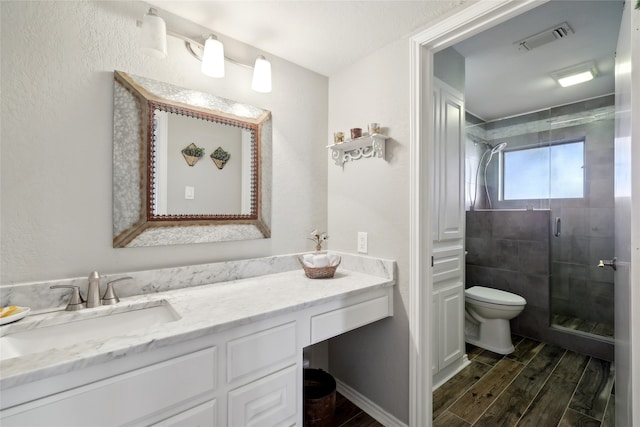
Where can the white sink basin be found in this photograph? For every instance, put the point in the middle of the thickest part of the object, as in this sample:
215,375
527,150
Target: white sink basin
83,329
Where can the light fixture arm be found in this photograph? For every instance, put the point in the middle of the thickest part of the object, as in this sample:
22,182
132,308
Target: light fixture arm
196,48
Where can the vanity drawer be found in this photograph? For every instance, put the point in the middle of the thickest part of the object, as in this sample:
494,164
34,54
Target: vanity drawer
266,350
270,401
123,399
336,322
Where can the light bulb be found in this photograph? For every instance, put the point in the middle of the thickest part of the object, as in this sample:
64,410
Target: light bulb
154,35
261,81
213,58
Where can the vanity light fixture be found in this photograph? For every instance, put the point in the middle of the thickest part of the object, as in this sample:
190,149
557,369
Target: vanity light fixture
575,74
154,43
154,35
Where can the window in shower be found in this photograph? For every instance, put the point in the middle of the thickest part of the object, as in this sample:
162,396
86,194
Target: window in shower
555,171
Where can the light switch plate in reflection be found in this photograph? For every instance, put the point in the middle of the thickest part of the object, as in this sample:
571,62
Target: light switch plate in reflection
189,193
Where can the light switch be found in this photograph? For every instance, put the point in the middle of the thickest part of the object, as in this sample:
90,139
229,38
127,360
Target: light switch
362,242
189,192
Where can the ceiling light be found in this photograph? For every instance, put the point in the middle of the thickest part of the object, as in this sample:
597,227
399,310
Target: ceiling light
154,35
261,81
576,74
213,58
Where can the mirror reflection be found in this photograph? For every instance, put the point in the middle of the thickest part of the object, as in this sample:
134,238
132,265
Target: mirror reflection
188,167
219,182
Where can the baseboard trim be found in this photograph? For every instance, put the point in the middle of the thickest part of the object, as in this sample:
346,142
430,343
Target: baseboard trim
362,402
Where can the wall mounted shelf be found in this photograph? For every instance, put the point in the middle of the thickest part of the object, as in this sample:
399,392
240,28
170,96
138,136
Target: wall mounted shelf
355,149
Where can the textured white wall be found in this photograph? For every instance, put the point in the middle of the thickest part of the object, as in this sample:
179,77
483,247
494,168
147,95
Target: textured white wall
56,80
372,195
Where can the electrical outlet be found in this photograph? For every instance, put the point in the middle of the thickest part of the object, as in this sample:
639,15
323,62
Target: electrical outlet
362,242
189,193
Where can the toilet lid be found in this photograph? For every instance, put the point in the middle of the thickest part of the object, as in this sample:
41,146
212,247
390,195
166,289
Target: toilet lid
494,296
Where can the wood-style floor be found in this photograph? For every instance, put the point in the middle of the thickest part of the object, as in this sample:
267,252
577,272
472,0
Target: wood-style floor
537,385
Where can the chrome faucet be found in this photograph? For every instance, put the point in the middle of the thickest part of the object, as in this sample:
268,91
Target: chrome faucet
93,291
93,294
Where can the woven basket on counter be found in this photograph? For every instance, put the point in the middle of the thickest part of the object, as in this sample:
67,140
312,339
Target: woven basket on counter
321,272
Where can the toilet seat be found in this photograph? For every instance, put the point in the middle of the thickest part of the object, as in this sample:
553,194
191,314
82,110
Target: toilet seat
493,296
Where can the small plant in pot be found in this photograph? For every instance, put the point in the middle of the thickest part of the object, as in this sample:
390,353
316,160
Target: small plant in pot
220,157
192,153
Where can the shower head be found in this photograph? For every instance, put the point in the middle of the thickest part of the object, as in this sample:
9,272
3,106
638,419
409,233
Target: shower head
498,148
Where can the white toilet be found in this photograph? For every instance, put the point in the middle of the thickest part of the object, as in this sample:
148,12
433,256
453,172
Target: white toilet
487,314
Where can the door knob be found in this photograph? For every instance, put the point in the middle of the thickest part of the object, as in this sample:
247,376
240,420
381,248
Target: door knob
608,263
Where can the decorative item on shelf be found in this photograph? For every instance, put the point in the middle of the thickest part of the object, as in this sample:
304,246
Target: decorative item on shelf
361,148
356,133
338,137
192,153
374,128
220,157
318,238
321,266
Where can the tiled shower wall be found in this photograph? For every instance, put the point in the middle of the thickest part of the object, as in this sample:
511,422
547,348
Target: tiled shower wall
509,250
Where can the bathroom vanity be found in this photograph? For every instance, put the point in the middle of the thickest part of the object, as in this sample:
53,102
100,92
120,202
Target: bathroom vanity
225,353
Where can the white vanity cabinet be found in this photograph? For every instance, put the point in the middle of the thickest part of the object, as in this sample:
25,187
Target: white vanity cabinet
448,234
249,377
141,396
263,374
246,375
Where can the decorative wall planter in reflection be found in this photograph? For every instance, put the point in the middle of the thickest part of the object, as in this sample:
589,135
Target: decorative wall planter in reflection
220,157
192,153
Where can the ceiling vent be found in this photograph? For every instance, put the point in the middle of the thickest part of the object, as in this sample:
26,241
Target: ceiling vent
552,34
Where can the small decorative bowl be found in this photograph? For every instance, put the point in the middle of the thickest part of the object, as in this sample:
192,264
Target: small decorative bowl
321,272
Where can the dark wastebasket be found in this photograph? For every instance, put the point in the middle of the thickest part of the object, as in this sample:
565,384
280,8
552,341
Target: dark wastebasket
319,398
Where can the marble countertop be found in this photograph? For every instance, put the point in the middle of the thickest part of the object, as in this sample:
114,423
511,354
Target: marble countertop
203,310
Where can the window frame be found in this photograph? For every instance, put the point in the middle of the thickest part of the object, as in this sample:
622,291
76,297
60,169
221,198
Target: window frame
502,166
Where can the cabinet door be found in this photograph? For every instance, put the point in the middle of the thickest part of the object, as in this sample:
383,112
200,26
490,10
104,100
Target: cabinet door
451,327
269,401
435,165
450,149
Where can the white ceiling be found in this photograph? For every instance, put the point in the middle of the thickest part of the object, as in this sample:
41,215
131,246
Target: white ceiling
327,35
503,81
320,35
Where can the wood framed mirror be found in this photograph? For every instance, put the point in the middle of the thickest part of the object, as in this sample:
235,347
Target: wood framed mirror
159,198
